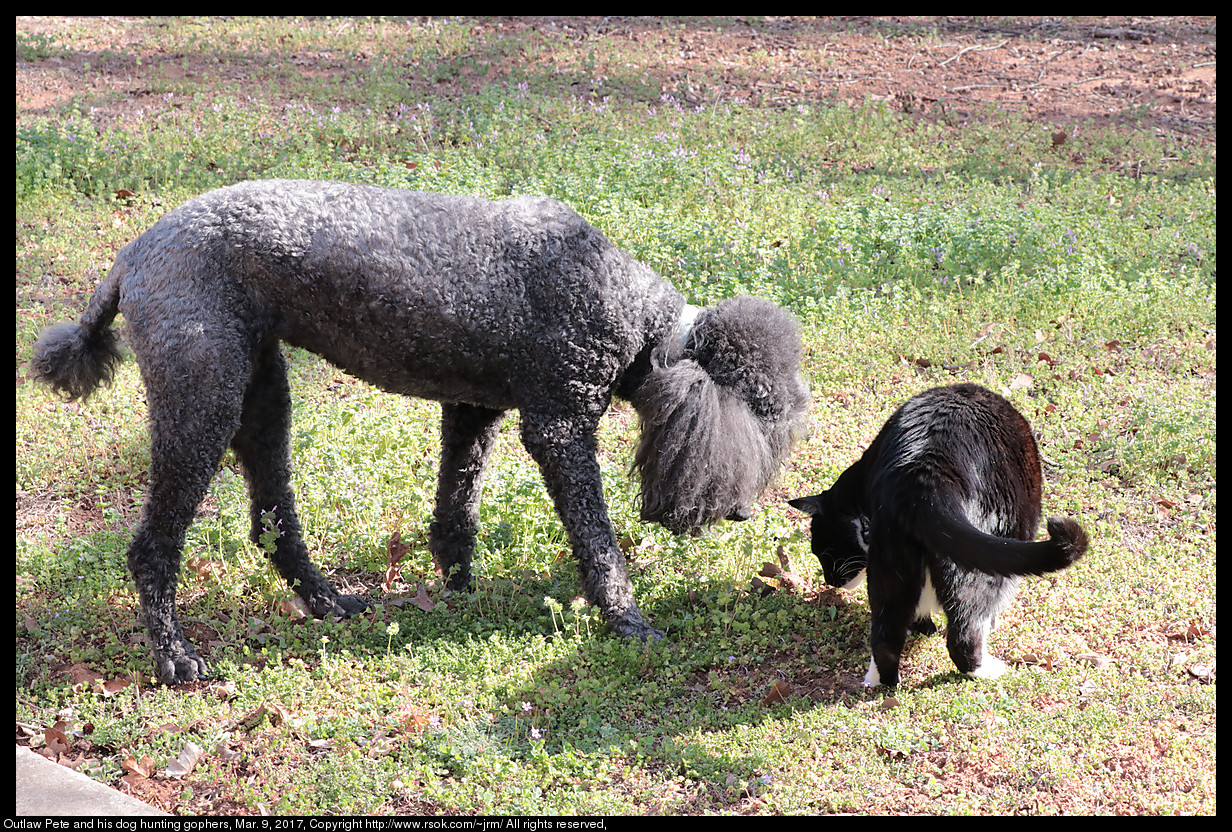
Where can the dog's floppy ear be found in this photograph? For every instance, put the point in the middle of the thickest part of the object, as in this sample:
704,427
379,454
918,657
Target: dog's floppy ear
702,455
809,505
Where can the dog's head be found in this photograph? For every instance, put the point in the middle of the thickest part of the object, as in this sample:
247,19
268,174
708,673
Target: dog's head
719,419
839,538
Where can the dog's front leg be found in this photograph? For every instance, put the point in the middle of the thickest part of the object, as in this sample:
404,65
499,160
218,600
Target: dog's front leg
566,457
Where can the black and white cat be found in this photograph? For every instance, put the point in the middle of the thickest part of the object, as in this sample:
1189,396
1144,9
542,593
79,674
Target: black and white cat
939,513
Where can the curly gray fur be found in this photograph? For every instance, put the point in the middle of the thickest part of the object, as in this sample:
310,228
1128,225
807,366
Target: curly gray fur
483,306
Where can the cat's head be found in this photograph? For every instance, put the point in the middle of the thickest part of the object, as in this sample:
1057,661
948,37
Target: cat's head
839,538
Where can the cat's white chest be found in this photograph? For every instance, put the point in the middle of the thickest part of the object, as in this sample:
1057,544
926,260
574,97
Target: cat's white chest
928,605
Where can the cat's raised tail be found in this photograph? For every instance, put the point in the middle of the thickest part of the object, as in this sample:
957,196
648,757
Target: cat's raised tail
947,530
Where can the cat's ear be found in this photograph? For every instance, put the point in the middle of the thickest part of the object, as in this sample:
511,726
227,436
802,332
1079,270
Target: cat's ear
809,505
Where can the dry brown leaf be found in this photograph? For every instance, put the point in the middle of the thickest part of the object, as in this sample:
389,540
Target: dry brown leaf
292,607
140,769
396,552
1191,631
250,721
203,568
416,721
786,578
1202,671
422,600
777,693
56,740
1196,629
186,761
113,687
278,715
769,570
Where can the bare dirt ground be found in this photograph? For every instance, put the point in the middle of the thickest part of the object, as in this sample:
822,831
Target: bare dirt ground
1140,72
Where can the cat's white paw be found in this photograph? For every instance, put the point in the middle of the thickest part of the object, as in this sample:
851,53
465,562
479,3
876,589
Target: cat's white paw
872,679
990,668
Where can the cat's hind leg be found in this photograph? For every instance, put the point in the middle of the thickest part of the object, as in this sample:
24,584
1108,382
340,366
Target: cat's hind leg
972,605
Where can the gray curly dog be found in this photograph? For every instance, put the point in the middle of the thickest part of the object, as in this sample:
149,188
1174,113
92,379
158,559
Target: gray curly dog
482,306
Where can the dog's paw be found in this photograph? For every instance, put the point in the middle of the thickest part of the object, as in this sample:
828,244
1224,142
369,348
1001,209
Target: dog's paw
637,629
349,605
186,666
460,581
345,606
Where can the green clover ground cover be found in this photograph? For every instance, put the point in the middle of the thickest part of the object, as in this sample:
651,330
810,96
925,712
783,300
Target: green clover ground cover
913,253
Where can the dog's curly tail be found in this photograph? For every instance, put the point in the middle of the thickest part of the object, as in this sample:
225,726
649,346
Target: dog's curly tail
75,358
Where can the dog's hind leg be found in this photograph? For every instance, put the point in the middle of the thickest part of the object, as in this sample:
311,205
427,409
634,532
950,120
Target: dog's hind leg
262,445
195,407
566,457
468,433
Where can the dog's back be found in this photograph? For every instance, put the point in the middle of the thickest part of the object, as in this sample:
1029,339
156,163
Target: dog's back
478,292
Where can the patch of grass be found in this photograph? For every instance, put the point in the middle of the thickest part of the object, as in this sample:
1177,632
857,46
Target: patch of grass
914,253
